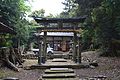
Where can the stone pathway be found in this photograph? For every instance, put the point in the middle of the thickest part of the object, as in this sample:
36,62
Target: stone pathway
59,73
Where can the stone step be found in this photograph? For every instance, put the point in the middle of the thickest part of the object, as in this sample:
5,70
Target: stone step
57,55
10,78
59,60
59,65
59,75
59,79
58,70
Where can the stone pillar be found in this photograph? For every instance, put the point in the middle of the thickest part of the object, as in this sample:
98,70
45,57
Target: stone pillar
31,46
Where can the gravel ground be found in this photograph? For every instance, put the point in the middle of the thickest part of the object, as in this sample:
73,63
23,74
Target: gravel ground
29,74
108,66
22,74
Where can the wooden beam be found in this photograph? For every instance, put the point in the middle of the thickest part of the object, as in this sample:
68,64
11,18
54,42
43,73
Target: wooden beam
40,52
60,30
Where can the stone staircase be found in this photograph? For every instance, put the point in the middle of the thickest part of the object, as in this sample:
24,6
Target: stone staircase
59,73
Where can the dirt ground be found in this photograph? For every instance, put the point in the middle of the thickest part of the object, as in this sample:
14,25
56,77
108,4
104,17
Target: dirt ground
108,66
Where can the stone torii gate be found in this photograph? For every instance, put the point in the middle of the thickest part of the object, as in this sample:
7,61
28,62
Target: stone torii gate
59,28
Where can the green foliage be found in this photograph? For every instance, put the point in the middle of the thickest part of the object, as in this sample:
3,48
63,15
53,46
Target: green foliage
13,13
38,13
50,16
102,26
69,10
69,5
107,25
5,40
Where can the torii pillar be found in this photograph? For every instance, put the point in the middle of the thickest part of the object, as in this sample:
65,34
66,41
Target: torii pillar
39,53
44,46
75,40
74,47
79,50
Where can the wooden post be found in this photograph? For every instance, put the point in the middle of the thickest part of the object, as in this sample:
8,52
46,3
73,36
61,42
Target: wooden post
40,52
75,43
44,47
60,24
74,47
53,43
79,50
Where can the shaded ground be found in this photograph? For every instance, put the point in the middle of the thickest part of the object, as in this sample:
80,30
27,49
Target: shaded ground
108,66
23,74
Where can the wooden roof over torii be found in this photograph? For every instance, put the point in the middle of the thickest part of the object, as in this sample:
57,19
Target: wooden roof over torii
59,21
56,20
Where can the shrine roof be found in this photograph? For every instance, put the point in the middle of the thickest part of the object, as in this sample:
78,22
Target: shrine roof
5,29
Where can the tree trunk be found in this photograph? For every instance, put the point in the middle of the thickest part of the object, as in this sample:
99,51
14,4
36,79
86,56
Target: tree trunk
10,57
